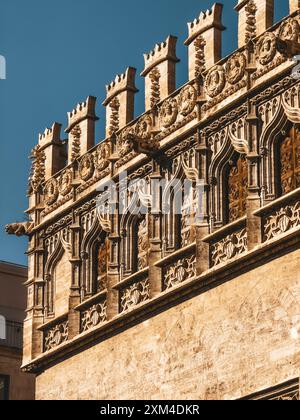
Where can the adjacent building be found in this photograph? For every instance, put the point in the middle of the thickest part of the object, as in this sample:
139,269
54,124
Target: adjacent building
14,384
129,298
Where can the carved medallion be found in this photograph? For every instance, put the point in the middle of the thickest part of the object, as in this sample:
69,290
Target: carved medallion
187,100
65,182
51,192
290,30
102,156
266,48
235,68
215,81
168,112
86,167
124,142
143,129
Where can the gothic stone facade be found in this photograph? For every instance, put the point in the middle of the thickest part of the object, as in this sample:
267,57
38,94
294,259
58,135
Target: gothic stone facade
148,305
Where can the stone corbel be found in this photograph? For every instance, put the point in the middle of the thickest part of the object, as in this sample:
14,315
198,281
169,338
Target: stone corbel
19,229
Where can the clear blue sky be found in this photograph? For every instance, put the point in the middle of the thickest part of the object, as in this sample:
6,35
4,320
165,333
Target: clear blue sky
60,51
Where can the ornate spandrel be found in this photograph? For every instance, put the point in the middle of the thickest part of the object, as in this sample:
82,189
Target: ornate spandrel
290,162
237,189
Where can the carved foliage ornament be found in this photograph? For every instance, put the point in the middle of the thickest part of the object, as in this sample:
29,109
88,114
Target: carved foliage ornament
56,336
180,271
93,316
86,167
235,68
215,81
51,191
135,294
282,221
168,112
266,48
65,182
229,247
187,100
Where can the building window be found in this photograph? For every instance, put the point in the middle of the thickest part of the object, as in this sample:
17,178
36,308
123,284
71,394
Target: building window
237,188
4,388
102,252
290,162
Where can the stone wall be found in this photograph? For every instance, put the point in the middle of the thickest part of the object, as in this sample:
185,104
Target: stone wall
227,343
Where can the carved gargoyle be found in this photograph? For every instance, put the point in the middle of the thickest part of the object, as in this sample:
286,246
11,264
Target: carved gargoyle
19,229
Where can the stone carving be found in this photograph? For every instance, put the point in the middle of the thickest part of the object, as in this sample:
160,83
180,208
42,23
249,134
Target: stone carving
290,161
251,11
168,112
94,316
180,271
290,30
56,336
37,175
266,48
235,68
86,167
125,142
19,229
155,87
51,192
114,118
187,100
65,182
282,221
143,244
135,294
215,81
233,245
199,45
76,134
237,189
145,135
102,156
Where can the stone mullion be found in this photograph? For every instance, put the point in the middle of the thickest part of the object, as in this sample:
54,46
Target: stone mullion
113,275
74,299
155,231
203,223
254,200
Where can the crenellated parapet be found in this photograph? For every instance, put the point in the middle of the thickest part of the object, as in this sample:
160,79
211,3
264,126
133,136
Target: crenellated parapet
81,128
160,72
53,149
255,17
119,101
205,40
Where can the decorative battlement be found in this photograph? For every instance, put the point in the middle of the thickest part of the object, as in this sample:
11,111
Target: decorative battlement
205,40
255,17
122,83
50,135
165,51
207,20
84,110
294,5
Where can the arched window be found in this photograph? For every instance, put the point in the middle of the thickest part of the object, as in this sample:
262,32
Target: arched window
289,158
237,188
101,265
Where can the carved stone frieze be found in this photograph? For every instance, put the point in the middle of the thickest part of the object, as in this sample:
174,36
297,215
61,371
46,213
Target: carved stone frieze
282,221
134,295
168,112
94,316
180,271
51,191
231,246
65,182
86,167
187,100
235,68
56,336
266,48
